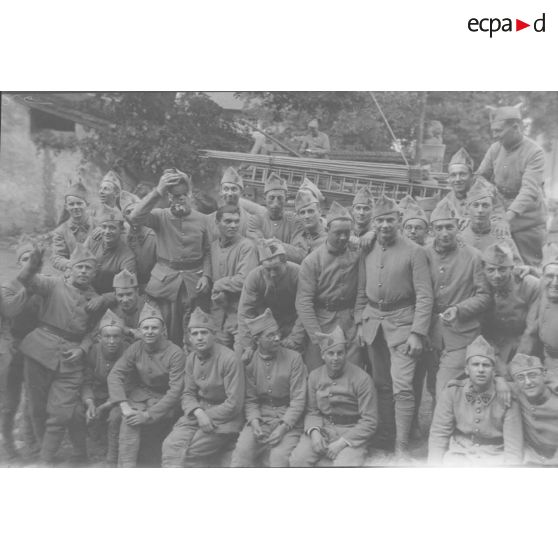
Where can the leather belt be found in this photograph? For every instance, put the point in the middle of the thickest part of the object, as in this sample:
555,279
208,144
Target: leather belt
180,265
391,306
274,401
343,420
211,401
334,305
481,440
67,335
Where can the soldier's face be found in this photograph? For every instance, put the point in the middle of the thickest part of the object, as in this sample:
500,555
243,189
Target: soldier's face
82,273
362,213
550,281
460,178
128,211
230,193
228,225
309,217
179,200
481,210
338,234
111,231
75,207
498,275
274,268
531,383
504,132
202,339
275,202
127,297
415,230
445,233
269,342
107,193
387,226
151,330
334,358
111,339
481,371
313,131
23,259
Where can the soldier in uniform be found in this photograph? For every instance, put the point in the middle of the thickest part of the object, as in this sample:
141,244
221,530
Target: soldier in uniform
313,233
109,189
74,230
460,294
415,223
515,164
538,400
471,425
129,303
183,270
276,222
102,414
146,382
315,143
275,399
363,203
514,303
327,287
393,312
341,415
110,250
212,400
232,258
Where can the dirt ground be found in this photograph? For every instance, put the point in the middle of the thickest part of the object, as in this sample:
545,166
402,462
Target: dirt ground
8,269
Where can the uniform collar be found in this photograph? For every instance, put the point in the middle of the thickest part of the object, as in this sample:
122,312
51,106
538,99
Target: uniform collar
484,398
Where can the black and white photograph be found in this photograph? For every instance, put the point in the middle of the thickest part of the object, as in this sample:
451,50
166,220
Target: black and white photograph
233,279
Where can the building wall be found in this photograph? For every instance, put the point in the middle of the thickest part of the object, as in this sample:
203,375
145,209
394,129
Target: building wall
33,179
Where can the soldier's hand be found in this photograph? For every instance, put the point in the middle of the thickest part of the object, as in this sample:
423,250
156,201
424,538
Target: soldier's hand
510,216
318,442
104,408
414,345
450,315
288,343
501,229
170,178
503,391
202,286
335,447
126,409
257,429
137,418
73,356
521,271
91,411
247,355
367,240
204,421
95,304
277,435
35,261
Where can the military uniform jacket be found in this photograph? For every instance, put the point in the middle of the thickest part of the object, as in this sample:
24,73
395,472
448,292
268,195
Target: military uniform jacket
481,240
305,242
64,240
350,394
327,285
461,206
216,385
397,275
63,311
480,419
130,319
110,262
258,294
184,240
155,378
97,368
276,387
459,281
518,176
143,244
543,329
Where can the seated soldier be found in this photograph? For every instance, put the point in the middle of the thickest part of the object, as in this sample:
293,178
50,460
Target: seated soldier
212,399
539,409
275,399
471,425
147,382
129,303
102,414
342,410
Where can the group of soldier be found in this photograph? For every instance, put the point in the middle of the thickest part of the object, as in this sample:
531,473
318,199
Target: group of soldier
256,336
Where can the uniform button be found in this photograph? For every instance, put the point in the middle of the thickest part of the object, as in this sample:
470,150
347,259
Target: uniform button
268,363
441,287
330,395
478,410
269,391
334,383
477,420
269,377
382,266
381,317
476,430
379,284
381,300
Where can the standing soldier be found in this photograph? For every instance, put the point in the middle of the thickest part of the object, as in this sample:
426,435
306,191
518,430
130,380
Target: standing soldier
460,294
72,231
232,258
342,410
515,164
212,399
275,399
327,287
471,425
146,383
363,204
312,234
315,143
393,312
183,269
514,303
129,303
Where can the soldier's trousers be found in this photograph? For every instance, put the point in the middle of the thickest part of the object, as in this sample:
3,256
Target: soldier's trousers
452,365
305,456
189,446
426,369
529,243
53,404
249,452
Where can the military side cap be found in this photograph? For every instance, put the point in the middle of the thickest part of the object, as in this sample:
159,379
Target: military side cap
231,176
364,197
24,245
384,206
499,254
150,311
261,323
443,211
200,319
113,178
523,363
428,204
78,190
505,113
415,212
126,199
125,280
269,248
329,340
337,211
480,347
107,214
552,235
550,254
275,182
303,199
405,202
110,319
461,157
308,185
480,189
81,254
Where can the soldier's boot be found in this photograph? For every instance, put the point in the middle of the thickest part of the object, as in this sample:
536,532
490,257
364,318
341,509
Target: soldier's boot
8,443
404,413
385,434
